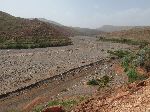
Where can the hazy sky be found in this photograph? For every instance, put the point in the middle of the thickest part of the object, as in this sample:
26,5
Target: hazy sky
83,13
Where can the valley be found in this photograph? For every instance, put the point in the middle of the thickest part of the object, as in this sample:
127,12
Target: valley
49,67
30,66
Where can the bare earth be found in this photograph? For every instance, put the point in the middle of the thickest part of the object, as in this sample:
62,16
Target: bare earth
20,68
137,99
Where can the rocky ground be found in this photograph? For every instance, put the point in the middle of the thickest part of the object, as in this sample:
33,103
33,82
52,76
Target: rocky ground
71,85
63,71
128,98
20,68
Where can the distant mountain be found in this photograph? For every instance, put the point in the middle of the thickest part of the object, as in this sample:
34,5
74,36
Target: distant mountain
87,31
24,33
74,30
49,21
111,28
137,33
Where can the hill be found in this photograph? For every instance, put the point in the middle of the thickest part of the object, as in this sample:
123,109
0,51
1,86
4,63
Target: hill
17,32
137,33
74,30
111,28
87,31
48,21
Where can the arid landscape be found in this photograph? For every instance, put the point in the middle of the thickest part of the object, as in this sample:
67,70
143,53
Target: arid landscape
46,66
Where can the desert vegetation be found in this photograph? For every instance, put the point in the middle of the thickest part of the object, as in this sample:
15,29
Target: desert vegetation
131,61
36,42
63,105
102,82
141,43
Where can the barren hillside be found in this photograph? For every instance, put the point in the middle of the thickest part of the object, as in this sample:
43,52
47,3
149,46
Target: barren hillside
142,33
23,33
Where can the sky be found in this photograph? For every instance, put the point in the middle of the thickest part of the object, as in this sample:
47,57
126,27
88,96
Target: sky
82,13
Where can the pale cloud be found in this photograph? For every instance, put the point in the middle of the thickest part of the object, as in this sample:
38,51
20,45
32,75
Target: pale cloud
134,16
82,13
131,17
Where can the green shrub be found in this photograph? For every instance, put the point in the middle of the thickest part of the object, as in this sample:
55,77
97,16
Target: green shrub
102,82
132,75
33,43
125,63
119,53
38,109
93,82
132,60
141,44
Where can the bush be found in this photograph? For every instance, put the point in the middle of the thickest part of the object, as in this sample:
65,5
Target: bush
38,109
102,82
131,60
34,43
141,44
132,75
125,63
119,53
93,82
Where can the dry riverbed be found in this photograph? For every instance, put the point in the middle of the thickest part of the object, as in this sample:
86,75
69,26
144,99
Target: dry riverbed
21,68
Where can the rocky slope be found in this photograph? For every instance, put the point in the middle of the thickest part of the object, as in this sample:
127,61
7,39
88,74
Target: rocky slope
141,33
131,98
11,24
30,33
74,30
111,28
49,21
